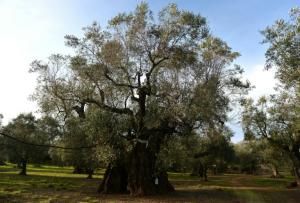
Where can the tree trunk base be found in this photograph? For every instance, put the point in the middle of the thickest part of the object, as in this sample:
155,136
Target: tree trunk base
23,173
143,177
136,174
292,185
114,180
277,176
164,184
156,186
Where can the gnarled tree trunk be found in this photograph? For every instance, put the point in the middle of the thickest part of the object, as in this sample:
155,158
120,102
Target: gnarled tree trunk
115,179
143,179
138,176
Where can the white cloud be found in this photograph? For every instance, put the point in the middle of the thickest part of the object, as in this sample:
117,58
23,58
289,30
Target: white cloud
263,80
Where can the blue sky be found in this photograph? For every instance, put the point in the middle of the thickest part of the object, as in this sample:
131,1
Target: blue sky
34,29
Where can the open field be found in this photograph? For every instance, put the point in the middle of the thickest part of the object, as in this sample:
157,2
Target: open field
57,184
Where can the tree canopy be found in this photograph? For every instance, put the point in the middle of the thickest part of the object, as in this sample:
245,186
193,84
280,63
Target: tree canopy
150,77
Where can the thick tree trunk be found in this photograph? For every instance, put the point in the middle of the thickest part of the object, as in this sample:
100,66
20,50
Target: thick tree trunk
138,176
143,179
23,168
115,179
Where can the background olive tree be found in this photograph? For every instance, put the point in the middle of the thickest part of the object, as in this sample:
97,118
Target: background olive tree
276,118
25,128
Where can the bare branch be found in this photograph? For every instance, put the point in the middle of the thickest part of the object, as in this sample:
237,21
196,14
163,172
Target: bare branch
109,108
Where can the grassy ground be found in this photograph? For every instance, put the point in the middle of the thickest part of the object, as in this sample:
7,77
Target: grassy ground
57,184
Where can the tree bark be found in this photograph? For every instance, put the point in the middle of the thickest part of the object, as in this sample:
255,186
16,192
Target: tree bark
114,180
137,176
143,179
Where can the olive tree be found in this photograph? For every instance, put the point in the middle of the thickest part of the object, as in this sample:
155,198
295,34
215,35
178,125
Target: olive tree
24,130
214,152
248,157
283,38
273,157
276,118
154,77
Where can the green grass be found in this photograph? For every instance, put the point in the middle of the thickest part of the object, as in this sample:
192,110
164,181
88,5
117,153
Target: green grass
59,184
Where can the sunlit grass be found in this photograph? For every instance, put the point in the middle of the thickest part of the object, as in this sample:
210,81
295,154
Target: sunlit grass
46,170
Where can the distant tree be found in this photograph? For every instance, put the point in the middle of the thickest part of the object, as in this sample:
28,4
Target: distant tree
25,128
83,161
197,154
274,158
156,77
215,152
177,153
248,157
86,132
275,120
